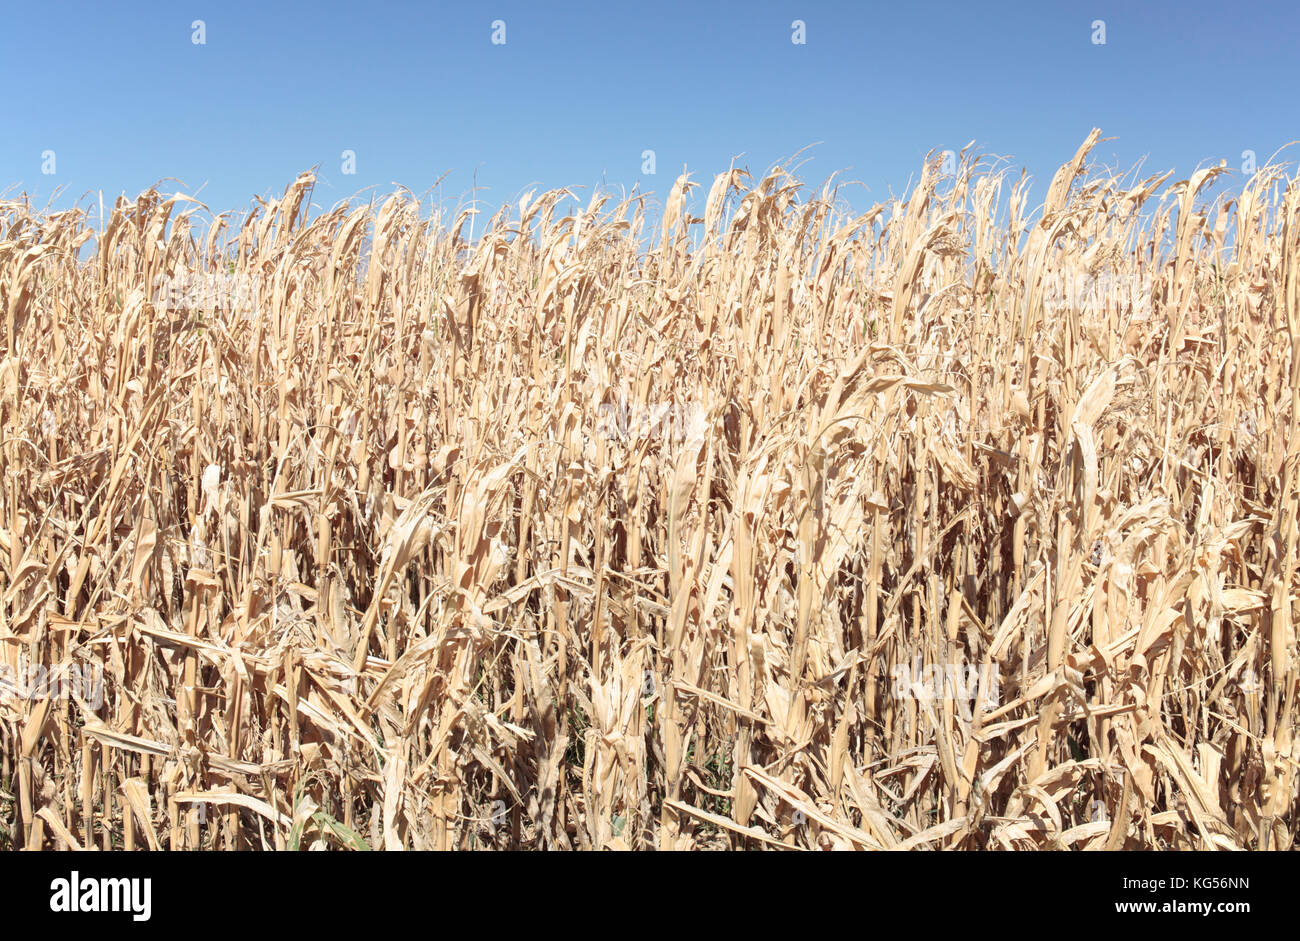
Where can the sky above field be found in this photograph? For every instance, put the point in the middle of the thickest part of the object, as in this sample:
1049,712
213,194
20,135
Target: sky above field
509,96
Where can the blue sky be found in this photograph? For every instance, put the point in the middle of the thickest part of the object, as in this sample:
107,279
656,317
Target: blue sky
578,91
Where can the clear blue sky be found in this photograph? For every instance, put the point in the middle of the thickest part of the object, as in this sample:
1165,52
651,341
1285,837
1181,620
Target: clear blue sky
124,98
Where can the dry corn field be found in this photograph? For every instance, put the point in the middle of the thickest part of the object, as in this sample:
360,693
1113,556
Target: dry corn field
776,528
